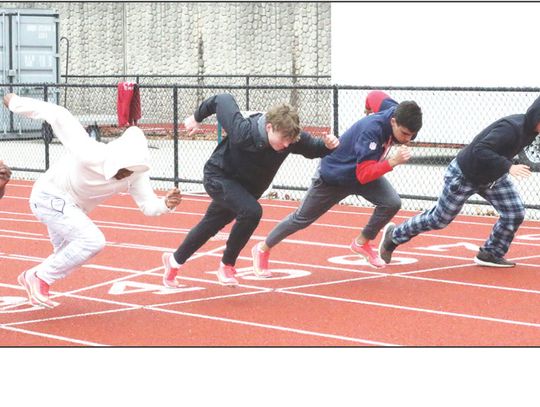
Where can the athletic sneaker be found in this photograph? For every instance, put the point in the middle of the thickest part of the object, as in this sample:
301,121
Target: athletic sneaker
484,258
36,288
226,274
22,281
260,261
387,246
369,253
170,273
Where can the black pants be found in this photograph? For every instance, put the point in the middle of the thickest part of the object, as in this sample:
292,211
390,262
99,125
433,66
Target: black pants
230,200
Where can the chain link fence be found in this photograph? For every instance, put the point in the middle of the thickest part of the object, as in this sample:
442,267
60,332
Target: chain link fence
452,117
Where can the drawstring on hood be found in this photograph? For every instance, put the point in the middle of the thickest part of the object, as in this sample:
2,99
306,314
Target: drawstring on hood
129,151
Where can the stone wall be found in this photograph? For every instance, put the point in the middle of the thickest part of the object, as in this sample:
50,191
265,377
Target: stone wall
193,38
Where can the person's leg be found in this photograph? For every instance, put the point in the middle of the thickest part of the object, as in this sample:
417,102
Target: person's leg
217,216
75,239
230,200
215,219
319,198
82,239
248,215
506,200
456,190
387,203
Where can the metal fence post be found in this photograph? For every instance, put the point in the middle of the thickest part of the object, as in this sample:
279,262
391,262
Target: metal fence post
247,92
175,134
336,110
46,139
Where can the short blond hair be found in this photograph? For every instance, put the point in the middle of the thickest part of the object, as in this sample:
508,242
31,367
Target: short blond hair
284,118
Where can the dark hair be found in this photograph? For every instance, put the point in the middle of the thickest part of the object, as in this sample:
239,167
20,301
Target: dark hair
409,115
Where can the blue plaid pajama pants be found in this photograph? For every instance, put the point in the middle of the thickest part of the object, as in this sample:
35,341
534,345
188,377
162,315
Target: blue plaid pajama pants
501,194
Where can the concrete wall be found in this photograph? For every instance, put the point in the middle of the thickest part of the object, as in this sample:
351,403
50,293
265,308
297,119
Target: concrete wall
193,38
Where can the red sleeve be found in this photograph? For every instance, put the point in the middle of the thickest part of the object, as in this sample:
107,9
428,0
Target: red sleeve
370,170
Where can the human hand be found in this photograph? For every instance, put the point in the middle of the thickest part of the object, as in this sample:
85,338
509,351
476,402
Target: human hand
520,171
330,141
173,198
402,155
192,126
5,174
7,98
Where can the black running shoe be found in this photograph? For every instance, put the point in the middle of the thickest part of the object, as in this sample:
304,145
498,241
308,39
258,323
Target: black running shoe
484,258
387,246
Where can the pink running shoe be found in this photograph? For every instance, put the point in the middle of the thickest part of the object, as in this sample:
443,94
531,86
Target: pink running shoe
37,289
226,274
22,281
260,261
170,273
369,253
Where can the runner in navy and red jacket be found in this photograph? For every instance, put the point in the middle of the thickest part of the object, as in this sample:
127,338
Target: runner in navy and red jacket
480,168
356,167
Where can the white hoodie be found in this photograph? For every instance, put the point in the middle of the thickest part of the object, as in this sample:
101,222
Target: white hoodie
87,172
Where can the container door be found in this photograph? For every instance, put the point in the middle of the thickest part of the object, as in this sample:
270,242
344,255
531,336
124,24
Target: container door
4,63
35,58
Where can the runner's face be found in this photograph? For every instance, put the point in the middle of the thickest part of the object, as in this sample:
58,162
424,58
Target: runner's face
276,139
402,134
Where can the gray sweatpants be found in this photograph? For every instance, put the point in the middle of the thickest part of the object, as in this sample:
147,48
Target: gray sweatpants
321,197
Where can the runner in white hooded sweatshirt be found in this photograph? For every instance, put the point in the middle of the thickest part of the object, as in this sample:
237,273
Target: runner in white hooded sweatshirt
90,173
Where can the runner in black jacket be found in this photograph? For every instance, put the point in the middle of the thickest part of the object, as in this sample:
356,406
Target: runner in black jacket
480,168
238,172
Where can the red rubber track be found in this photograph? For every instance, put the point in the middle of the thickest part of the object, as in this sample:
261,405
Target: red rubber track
321,294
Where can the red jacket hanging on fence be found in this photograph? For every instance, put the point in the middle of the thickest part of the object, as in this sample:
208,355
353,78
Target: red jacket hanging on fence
128,103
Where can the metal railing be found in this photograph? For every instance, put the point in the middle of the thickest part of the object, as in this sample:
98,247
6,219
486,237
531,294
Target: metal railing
452,117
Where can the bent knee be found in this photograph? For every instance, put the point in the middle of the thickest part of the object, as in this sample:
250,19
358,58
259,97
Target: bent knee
252,213
394,205
95,242
514,219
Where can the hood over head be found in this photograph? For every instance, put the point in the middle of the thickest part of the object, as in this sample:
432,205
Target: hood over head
129,151
532,118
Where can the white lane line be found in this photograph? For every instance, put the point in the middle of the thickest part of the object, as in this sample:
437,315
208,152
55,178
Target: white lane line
279,328
86,314
44,335
330,283
217,297
416,309
457,282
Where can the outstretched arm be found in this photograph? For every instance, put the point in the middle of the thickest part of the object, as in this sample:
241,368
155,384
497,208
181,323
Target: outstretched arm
65,126
147,200
228,114
315,147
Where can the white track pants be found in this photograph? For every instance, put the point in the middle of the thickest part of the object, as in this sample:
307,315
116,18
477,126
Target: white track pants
75,238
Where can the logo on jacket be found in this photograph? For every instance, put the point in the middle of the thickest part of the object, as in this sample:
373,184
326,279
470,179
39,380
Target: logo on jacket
372,145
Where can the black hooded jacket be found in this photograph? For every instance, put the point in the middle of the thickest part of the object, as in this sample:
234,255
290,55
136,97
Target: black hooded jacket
245,154
490,154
